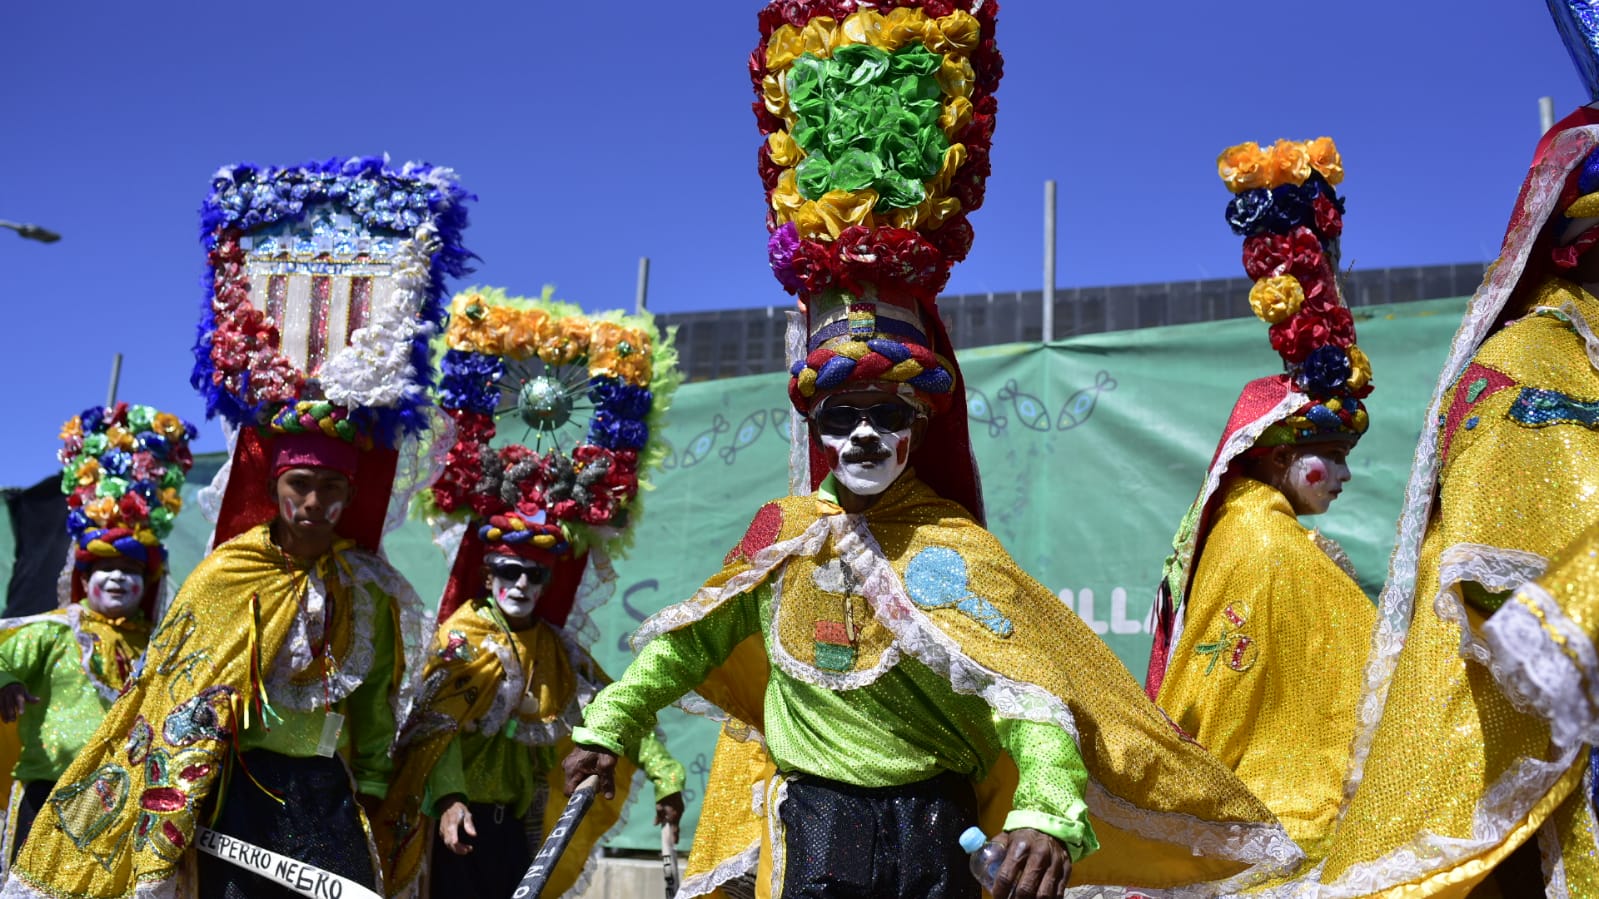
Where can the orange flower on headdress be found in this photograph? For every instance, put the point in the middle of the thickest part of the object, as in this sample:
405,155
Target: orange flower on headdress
169,426
1243,167
524,329
620,352
565,341
89,472
1290,163
73,428
1324,158
119,437
101,510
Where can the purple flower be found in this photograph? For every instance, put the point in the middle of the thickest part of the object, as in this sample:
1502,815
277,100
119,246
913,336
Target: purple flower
780,248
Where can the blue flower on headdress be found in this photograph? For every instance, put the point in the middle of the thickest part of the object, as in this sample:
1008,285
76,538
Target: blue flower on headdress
1326,371
77,522
470,381
116,462
616,433
1291,207
154,444
622,400
93,417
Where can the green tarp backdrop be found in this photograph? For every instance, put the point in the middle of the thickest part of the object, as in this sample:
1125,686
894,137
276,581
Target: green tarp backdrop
1090,451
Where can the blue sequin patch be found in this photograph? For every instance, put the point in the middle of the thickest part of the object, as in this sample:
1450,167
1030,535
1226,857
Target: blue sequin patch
937,577
1541,408
1470,424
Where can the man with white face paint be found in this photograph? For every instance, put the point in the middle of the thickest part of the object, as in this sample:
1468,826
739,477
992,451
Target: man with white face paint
60,672
868,641
1261,628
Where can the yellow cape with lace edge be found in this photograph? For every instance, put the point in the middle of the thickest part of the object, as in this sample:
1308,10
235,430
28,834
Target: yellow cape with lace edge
459,684
1145,778
125,812
1447,730
1269,669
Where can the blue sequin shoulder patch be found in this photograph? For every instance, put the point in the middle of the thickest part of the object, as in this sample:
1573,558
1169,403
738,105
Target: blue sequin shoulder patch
937,577
1541,408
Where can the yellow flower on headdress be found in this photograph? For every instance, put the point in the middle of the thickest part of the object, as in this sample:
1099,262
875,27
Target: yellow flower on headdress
1274,299
902,26
467,331
616,351
865,27
524,331
783,47
101,510
565,342
956,33
119,437
1290,163
956,75
1324,158
783,149
89,472
72,428
1243,167
168,425
171,501
1359,368
956,116
774,93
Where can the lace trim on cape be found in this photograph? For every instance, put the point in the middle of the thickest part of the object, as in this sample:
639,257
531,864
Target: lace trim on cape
1578,324
1494,568
297,654
1396,603
1336,552
1545,664
741,865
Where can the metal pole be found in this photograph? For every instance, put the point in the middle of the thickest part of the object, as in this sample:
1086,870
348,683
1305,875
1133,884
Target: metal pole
116,375
1049,260
32,232
1546,114
642,298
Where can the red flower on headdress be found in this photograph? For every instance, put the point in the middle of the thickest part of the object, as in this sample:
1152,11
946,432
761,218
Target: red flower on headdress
1329,221
1297,253
1296,337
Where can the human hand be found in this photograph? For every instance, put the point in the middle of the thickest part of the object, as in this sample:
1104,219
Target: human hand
1036,866
586,760
14,699
669,811
456,818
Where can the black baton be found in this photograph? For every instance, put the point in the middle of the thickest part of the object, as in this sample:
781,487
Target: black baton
555,844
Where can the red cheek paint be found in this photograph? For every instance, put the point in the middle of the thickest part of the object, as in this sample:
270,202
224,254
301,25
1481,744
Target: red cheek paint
902,452
1315,472
832,457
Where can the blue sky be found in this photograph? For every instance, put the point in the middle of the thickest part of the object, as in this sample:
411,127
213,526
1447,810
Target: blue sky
597,133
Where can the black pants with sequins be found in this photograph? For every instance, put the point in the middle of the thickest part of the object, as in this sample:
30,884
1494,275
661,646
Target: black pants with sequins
34,794
847,842
317,823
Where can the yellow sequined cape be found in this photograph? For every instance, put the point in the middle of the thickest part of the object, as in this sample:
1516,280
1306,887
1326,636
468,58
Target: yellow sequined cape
1267,672
467,682
1165,812
124,814
1456,778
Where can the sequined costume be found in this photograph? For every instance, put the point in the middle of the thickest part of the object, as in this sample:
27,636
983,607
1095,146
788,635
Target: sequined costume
498,701
492,718
1260,627
959,663
1502,481
1266,672
271,689
246,609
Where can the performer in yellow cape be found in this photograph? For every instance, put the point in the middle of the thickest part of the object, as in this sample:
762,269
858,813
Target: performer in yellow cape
509,671
1261,631
61,671
1456,782
267,705
905,678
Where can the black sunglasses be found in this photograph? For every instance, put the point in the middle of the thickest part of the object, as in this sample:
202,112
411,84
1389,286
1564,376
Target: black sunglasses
511,571
885,418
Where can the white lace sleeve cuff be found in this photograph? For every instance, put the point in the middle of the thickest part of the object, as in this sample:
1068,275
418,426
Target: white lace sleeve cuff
1546,664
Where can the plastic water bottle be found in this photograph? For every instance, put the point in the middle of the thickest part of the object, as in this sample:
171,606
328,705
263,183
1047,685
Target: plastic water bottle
986,855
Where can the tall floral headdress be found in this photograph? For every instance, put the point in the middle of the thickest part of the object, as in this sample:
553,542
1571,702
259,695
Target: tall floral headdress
1287,209
325,287
122,471
557,425
878,124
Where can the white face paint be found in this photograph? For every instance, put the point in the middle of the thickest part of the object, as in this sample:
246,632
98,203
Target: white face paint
867,461
517,597
1315,478
114,593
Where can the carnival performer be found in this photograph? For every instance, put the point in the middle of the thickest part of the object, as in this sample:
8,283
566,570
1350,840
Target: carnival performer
1261,629
268,702
1463,774
509,670
906,679
122,469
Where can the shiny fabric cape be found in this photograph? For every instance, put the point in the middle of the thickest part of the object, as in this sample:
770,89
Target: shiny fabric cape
117,647
1166,813
123,815
474,679
1497,488
1267,674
